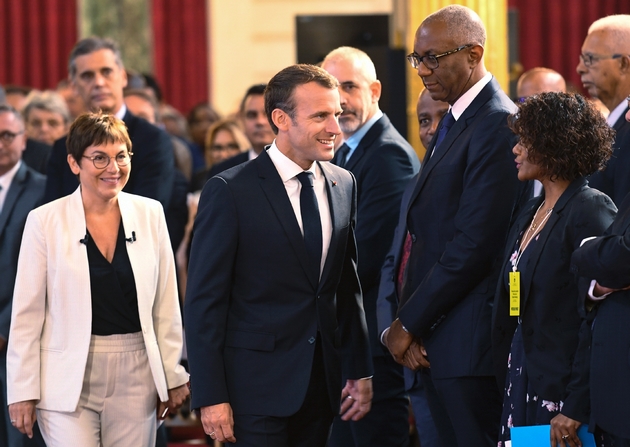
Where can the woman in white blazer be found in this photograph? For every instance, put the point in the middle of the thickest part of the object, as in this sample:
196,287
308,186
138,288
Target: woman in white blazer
96,336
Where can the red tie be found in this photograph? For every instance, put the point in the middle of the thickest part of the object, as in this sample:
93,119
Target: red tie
403,264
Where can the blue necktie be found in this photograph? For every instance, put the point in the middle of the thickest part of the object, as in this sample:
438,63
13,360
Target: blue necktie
341,154
447,123
311,222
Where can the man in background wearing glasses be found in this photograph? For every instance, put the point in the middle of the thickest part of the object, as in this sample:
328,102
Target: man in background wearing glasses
21,190
456,220
604,68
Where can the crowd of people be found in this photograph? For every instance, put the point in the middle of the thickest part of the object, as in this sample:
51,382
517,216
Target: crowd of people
325,278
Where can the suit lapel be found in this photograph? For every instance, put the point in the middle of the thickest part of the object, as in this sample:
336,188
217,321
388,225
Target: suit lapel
276,193
539,244
336,201
368,139
460,125
11,199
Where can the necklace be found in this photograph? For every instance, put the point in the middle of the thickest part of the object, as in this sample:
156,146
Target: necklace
531,232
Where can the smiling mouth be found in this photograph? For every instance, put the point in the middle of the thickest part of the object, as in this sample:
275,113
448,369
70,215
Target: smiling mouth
330,142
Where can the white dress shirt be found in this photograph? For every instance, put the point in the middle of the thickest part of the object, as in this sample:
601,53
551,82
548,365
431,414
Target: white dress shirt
5,182
288,169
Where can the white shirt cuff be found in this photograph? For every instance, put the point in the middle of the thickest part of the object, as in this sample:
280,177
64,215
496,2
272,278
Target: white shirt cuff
593,297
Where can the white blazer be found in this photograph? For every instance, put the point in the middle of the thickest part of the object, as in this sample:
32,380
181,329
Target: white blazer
51,322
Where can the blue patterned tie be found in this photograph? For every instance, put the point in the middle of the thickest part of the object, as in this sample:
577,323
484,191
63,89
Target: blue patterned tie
341,153
447,123
311,222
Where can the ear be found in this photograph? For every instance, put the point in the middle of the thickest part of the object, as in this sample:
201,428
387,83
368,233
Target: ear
624,64
74,166
475,55
281,119
124,77
376,88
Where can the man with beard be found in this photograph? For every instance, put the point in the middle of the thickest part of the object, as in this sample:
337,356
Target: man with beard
383,163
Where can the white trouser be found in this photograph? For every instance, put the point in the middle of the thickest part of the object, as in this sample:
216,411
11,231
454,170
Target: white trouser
118,401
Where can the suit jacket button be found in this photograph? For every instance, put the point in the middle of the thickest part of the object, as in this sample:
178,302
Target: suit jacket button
311,340
413,238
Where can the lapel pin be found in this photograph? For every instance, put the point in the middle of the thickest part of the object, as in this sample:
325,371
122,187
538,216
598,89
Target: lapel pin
334,183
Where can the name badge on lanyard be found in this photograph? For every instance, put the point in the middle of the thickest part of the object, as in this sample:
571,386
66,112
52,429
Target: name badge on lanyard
515,294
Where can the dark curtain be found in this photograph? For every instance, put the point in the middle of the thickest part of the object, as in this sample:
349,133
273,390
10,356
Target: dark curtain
36,37
551,32
181,51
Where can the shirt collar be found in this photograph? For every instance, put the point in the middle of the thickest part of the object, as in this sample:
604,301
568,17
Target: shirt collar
287,168
616,113
121,112
7,178
353,141
467,98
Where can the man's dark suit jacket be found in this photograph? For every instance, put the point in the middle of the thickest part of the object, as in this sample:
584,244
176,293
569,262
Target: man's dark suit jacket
458,216
382,163
607,260
25,193
549,294
253,309
36,155
614,181
152,165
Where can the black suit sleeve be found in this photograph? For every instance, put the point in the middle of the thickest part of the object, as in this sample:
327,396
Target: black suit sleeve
153,163
57,164
210,272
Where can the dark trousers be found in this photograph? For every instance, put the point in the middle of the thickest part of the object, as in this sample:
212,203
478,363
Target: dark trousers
387,423
466,410
605,439
425,426
309,427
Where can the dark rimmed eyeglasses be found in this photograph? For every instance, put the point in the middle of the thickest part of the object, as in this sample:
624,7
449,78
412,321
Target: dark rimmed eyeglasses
7,137
431,60
102,161
589,59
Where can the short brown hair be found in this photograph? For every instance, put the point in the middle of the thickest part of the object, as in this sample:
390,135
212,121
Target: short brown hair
279,91
564,134
95,129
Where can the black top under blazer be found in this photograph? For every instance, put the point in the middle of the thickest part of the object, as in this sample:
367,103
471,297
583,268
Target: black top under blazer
549,294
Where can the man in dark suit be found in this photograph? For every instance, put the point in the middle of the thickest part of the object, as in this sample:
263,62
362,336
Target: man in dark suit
455,224
602,264
21,190
604,69
256,126
274,316
383,163
97,73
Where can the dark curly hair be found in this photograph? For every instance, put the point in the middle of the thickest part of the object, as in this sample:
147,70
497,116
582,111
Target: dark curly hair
564,134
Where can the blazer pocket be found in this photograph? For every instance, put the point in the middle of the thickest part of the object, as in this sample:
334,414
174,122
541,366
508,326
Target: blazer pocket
256,341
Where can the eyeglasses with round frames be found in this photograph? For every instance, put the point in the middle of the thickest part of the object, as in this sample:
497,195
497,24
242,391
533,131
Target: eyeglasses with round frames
589,59
102,161
7,137
431,60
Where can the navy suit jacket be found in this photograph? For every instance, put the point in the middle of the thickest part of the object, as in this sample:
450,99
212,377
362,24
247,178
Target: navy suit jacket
254,309
153,164
607,260
549,294
382,163
614,181
36,155
25,193
458,216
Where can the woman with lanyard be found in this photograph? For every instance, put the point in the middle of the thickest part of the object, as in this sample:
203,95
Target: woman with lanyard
562,139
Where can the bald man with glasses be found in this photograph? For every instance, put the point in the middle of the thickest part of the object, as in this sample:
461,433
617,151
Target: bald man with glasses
604,69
